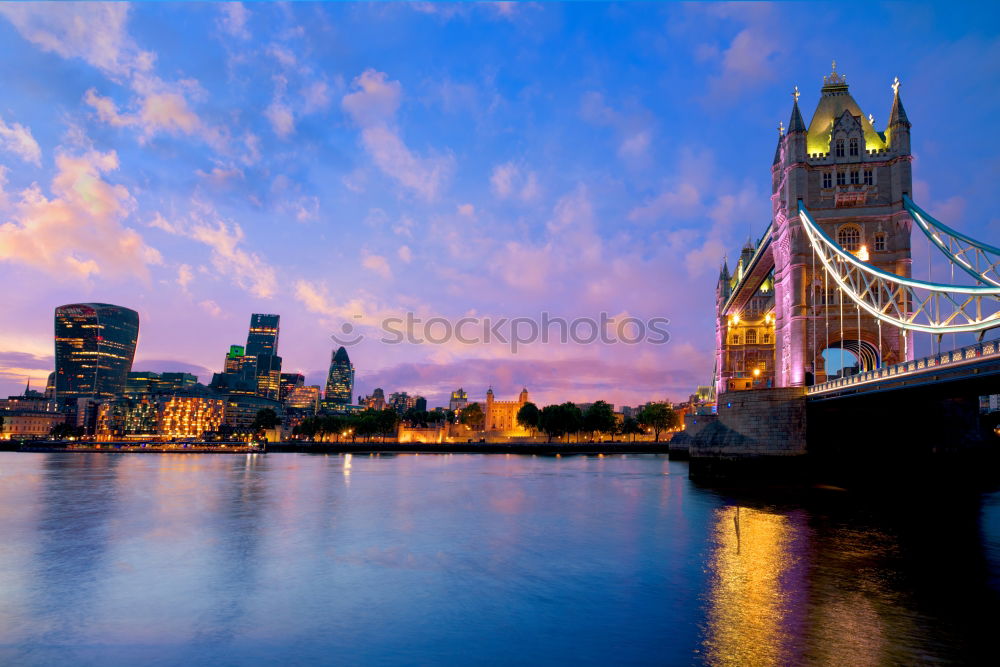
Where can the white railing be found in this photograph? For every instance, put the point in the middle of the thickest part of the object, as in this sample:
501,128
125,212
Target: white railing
964,355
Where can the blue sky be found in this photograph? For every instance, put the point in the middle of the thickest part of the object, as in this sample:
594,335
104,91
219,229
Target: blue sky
200,162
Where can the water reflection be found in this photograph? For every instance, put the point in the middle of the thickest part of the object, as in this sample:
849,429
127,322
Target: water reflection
303,559
850,580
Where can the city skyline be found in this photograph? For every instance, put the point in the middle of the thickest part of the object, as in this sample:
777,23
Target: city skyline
299,162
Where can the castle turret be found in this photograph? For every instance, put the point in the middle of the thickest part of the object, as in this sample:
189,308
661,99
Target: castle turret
523,396
898,133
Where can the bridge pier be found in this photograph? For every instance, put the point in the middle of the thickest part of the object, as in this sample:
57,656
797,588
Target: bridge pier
758,434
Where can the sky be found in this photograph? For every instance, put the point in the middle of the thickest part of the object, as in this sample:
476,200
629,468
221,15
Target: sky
348,163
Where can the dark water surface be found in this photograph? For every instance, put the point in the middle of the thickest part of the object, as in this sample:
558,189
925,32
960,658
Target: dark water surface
290,559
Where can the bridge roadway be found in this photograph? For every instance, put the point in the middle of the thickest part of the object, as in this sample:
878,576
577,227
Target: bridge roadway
976,367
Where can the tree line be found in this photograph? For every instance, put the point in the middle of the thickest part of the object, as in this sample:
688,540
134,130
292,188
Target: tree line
565,419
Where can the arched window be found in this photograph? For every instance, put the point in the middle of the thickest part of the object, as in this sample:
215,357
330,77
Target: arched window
879,241
767,339
849,238
855,177
827,179
854,147
839,148
736,339
751,336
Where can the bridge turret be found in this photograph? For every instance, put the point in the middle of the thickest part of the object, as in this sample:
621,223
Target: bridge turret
796,140
898,134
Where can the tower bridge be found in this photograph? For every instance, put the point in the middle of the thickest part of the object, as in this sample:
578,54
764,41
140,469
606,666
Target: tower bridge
834,271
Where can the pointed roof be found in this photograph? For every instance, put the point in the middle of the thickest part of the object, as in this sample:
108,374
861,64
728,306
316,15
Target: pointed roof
724,271
898,114
795,123
835,98
341,356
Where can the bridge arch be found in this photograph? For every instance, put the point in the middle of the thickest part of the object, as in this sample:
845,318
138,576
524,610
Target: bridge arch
866,353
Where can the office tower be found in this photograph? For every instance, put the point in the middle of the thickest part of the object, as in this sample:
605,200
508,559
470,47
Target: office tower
94,345
302,397
289,381
268,376
340,380
263,335
234,359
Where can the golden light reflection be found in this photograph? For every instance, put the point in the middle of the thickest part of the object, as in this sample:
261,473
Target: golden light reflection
747,607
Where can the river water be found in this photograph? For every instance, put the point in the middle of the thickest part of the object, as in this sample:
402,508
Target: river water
286,559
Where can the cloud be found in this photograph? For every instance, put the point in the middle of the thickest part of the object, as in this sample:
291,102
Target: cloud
211,307
280,116
96,33
93,32
316,97
752,57
373,105
508,180
378,264
234,19
17,139
682,202
633,127
78,233
405,253
184,276
246,269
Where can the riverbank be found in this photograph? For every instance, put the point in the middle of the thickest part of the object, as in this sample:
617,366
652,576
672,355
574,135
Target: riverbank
541,449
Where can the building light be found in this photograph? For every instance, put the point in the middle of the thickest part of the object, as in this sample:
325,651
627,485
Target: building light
862,253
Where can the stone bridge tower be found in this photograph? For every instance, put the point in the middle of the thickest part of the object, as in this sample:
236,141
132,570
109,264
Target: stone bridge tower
852,178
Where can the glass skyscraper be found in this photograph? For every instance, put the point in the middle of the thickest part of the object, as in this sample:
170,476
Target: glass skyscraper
340,381
95,346
263,336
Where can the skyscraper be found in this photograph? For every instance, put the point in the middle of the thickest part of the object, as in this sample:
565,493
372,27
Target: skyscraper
234,359
268,374
263,336
95,346
340,380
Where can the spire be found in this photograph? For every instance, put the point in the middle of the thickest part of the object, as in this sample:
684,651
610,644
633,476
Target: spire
724,271
898,114
27,389
795,123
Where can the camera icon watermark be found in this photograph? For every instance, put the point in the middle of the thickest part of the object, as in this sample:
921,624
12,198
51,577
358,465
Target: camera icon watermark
516,332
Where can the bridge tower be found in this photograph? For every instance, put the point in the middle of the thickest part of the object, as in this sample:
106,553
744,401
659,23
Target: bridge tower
852,178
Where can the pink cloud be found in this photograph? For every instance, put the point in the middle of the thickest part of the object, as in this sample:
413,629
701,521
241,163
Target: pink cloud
77,233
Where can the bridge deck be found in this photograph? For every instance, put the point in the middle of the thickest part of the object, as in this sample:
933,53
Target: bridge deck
979,360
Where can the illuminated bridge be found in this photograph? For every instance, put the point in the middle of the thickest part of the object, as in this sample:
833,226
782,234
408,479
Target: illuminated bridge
833,277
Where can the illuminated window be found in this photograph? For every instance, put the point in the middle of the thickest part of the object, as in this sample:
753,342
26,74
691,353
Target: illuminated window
849,238
869,177
855,177
841,178
751,337
840,148
854,147
879,241
827,179
767,339
736,339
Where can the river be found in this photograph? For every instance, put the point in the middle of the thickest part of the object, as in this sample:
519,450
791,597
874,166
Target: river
187,559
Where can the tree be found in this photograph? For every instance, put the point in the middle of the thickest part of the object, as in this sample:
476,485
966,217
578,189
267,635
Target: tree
529,417
386,422
599,418
64,430
472,416
659,417
265,420
559,420
630,427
